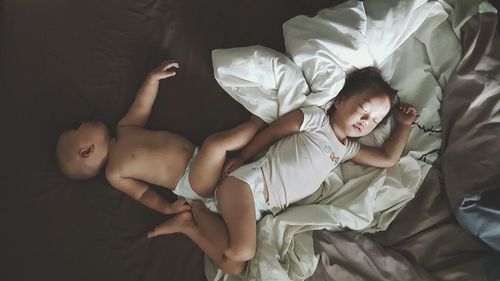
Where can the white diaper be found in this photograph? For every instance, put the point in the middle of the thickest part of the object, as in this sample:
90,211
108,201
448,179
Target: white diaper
252,174
183,188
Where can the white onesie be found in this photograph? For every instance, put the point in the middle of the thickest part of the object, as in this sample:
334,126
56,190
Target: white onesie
295,166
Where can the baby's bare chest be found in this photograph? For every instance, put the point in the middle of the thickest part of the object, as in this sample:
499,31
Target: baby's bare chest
142,153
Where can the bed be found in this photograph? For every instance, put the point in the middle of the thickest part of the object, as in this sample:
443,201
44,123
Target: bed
66,62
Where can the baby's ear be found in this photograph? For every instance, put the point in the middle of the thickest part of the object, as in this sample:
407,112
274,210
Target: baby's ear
87,151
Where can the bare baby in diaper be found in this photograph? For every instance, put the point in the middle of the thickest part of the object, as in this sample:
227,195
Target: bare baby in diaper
137,157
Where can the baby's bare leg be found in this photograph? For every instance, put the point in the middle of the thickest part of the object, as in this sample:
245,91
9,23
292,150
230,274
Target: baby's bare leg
211,224
207,166
237,206
210,243
235,235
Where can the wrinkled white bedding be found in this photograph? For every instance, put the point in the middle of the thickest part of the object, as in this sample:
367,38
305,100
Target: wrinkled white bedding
416,45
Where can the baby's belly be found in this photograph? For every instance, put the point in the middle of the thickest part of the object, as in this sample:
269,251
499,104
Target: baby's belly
164,167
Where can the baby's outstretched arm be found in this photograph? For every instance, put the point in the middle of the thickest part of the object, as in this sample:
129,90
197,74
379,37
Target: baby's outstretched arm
390,152
140,110
141,192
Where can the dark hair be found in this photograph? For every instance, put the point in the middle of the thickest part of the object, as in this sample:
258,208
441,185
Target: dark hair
368,77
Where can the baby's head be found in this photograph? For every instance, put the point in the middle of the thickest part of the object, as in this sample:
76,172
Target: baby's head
365,101
82,152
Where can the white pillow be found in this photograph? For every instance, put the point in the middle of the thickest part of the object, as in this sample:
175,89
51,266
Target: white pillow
328,45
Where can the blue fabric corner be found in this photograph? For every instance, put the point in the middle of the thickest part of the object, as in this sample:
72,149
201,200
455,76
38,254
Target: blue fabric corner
480,215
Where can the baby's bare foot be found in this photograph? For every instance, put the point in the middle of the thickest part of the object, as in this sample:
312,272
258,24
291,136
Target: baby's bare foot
178,223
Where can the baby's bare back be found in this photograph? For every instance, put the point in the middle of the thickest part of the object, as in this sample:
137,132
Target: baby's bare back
156,157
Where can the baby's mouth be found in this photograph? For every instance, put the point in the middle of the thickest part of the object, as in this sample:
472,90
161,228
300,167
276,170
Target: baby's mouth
358,128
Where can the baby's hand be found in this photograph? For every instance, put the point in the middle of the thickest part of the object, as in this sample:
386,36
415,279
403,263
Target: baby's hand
231,165
164,70
178,206
406,115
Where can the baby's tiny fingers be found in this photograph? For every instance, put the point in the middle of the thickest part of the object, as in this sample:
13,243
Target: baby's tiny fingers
152,234
170,64
167,74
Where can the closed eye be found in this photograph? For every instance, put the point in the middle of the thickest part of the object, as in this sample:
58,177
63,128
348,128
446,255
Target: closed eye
363,108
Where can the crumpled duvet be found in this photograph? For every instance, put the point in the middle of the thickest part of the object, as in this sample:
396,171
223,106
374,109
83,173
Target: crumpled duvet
416,45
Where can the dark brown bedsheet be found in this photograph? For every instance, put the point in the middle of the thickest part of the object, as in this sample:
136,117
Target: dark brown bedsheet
63,62
68,61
